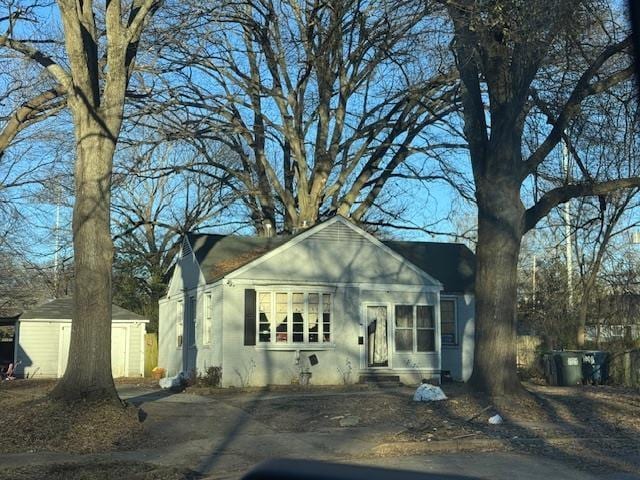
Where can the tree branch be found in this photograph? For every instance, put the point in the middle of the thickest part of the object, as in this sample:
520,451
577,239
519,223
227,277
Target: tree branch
560,195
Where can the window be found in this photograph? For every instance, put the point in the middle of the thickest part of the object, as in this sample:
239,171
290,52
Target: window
404,328
264,317
448,323
179,323
326,317
295,317
193,311
425,329
208,320
414,328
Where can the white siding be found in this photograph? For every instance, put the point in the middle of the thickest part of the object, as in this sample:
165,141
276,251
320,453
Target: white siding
136,340
331,256
254,365
343,363
37,349
459,359
209,355
169,355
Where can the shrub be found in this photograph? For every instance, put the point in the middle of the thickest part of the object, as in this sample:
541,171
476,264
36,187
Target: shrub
212,377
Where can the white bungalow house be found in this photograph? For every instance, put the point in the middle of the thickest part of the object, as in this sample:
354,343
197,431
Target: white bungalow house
332,301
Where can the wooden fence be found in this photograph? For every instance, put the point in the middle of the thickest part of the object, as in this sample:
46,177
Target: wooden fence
150,353
528,351
624,368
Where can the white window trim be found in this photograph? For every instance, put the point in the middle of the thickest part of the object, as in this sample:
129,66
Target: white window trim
412,328
436,330
290,344
193,319
454,299
207,319
179,338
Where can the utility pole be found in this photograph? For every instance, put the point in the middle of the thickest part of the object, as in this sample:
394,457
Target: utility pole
567,224
533,274
56,273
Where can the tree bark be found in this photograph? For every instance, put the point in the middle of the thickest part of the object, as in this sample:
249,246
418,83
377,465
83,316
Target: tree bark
88,373
500,231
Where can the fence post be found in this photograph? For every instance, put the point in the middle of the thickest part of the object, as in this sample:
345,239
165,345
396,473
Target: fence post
627,369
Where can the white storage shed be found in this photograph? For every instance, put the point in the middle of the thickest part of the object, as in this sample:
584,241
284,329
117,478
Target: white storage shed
43,334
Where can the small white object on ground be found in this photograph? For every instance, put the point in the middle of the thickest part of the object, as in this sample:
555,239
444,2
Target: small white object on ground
350,421
173,382
428,393
495,420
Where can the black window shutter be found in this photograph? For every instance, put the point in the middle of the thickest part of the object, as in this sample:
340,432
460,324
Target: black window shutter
249,317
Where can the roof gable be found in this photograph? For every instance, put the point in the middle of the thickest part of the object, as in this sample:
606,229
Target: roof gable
452,265
62,308
344,233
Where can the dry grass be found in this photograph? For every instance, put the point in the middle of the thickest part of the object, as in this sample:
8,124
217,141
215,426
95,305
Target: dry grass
98,471
594,428
32,422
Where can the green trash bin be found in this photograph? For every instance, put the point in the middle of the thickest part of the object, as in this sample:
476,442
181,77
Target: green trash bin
569,368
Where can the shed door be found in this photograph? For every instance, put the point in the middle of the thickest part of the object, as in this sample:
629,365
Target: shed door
63,354
118,351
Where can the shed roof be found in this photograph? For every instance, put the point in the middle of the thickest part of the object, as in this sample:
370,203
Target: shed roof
452,264
62,308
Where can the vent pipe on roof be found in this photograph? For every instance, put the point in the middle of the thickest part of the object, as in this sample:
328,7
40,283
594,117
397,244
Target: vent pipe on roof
267,228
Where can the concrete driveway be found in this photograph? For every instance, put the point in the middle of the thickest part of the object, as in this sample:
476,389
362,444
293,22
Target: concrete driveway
210,435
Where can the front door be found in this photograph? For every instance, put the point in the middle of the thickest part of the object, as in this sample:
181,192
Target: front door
376,336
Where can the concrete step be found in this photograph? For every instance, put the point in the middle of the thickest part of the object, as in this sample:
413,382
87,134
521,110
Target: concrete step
381,380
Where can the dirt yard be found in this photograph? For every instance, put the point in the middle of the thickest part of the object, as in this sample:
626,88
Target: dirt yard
592,427
596,429
34,423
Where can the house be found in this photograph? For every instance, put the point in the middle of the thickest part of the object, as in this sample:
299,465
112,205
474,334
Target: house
332,301
43,333
616,317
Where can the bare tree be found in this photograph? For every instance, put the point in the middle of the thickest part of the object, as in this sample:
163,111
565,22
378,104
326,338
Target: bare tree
151,214
321,104
100,46
505,52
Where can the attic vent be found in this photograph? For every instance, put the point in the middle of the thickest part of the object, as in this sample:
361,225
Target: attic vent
339,232
186,247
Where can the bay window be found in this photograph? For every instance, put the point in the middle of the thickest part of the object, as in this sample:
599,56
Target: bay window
295,317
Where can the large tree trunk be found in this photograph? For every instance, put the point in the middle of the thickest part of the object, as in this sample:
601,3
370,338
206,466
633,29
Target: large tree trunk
88,373
500,231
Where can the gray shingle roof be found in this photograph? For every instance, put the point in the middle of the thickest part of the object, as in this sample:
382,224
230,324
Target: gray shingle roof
222,254
452,264
61,308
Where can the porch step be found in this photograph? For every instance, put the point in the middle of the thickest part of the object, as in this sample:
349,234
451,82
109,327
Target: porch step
380,380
